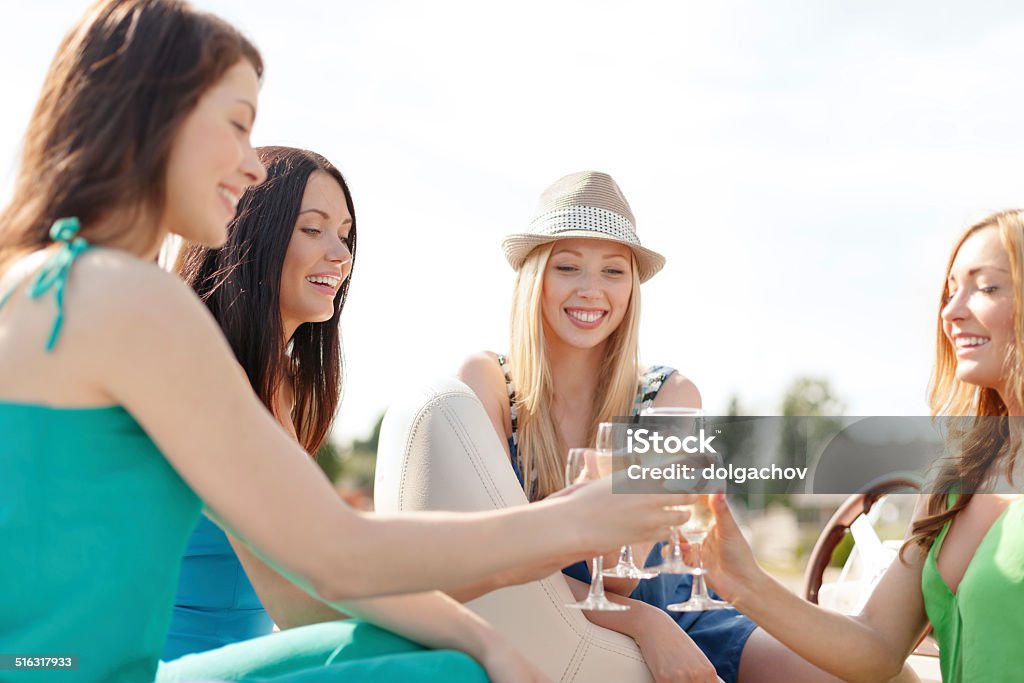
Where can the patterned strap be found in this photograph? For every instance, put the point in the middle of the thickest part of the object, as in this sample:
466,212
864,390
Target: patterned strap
513,408
54,273
647,390
650,384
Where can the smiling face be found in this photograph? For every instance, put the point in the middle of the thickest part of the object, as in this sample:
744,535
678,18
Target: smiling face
212,160
319,258
586,291
977,318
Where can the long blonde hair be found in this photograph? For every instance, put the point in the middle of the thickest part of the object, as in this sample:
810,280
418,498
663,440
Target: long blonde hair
977,443
539,447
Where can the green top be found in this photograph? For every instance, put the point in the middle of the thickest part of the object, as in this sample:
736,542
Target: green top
94,522
980,628
93,525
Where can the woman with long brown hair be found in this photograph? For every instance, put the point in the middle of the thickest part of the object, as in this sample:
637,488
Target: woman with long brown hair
961,569
122,409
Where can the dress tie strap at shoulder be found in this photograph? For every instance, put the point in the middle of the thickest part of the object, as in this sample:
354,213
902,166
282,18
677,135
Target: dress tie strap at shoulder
54,273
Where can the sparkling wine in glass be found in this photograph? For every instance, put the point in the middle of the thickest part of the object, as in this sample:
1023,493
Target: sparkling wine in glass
695,531
625,568
584,464
685,421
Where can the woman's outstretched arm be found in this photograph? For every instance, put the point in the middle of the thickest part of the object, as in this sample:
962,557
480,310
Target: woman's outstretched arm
869,647
431,619
156,350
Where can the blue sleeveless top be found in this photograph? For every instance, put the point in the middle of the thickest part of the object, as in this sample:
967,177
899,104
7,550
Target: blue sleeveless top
656,591
216,604
93,520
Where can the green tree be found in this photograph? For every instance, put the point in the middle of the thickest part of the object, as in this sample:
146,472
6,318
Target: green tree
355,465
811,396
801,440
736,442
329,459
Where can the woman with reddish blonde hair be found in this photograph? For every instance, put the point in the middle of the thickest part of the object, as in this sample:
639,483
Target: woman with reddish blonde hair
961,570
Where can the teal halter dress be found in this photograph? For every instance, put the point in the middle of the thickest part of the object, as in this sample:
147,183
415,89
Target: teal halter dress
94,522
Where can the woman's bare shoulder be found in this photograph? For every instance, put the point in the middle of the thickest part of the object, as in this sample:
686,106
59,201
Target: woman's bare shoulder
678,390
482,372
118,287
115,300
117,271
118,318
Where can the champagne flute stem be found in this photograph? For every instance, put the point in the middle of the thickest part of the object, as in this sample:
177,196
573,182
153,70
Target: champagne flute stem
700,589
597,578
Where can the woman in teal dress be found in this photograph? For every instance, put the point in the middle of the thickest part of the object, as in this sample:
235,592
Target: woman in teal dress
123,411
961,570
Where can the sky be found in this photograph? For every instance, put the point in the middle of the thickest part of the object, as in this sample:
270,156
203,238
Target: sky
805,167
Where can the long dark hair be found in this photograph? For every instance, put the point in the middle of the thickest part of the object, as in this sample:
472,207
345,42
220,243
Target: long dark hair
241,285
120,86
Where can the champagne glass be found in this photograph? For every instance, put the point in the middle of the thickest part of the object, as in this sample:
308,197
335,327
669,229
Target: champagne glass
626,567
695,530
690,421
584,464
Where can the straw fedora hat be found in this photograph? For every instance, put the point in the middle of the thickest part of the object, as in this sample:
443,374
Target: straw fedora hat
585,204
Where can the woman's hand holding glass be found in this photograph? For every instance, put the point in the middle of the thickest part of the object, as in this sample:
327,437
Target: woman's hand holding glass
728,562
658,514
686,420
695,531
584,464
625,567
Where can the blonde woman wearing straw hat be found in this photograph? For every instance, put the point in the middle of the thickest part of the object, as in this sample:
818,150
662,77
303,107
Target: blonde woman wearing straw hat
573,363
